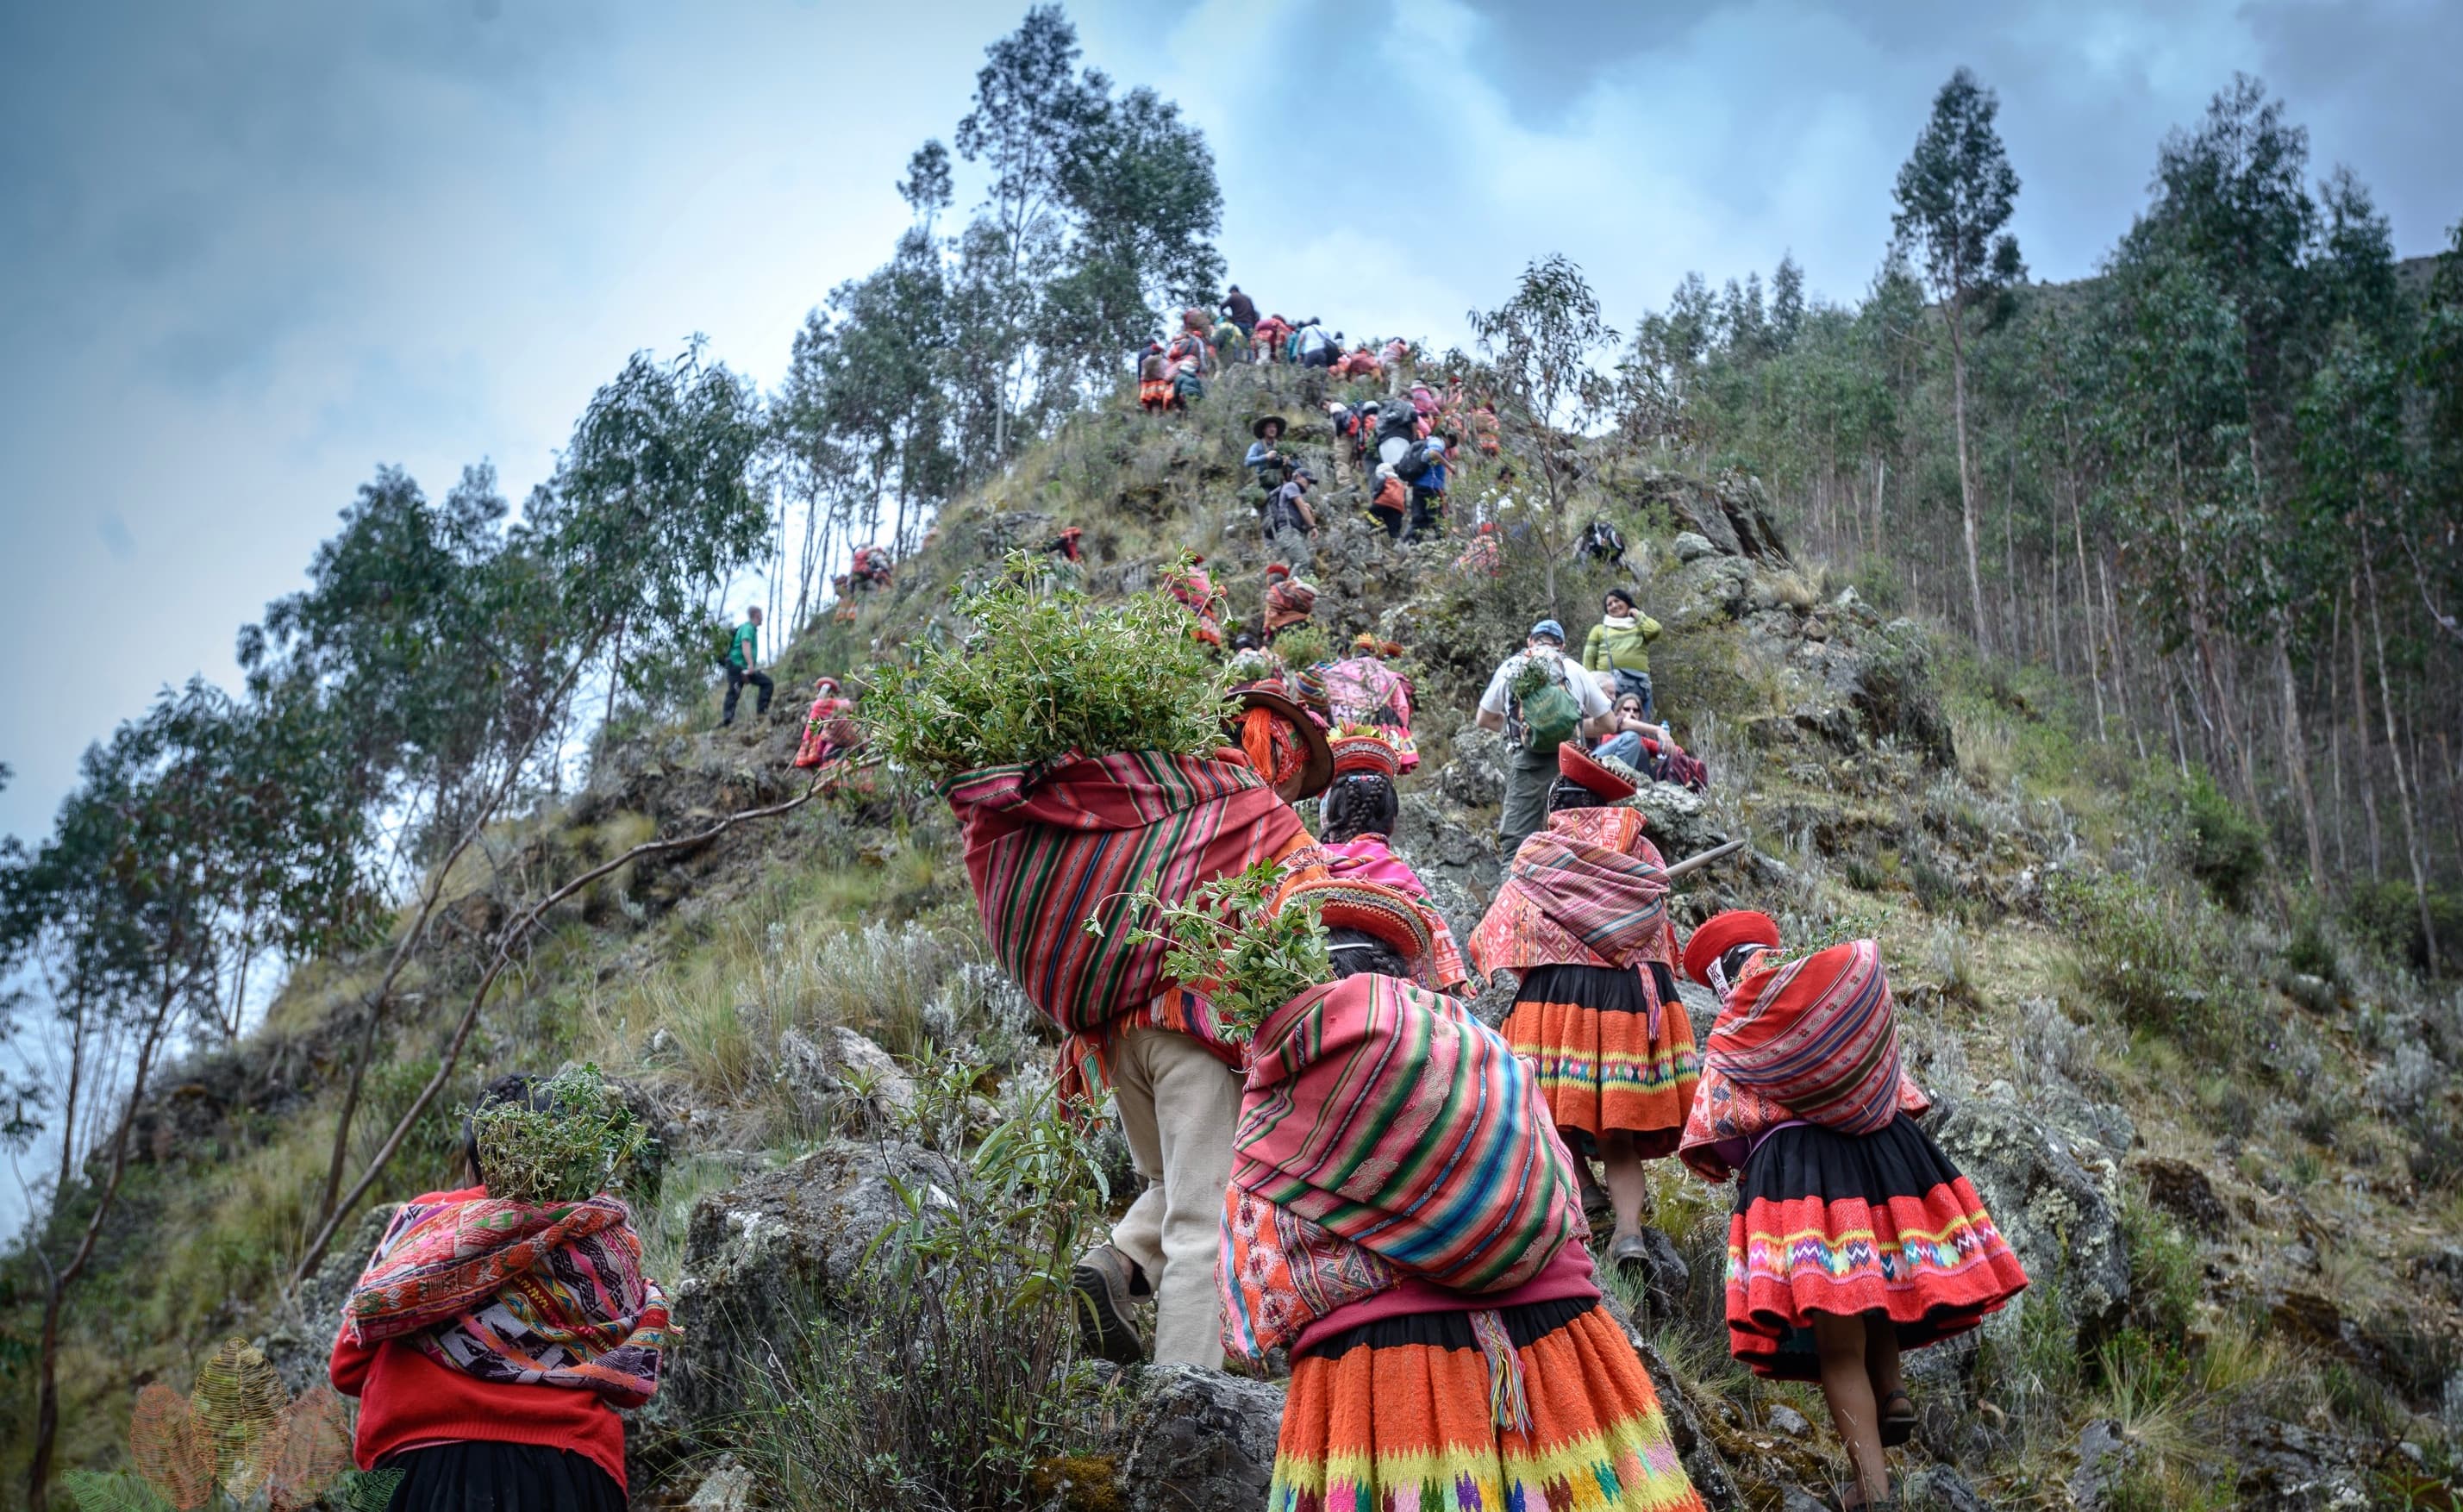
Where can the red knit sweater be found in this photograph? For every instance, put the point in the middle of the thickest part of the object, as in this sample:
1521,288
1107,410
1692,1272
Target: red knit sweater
408,1401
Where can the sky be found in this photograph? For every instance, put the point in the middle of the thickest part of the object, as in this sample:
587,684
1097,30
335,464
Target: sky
251,249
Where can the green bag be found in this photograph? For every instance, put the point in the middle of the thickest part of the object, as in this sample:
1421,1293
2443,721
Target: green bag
1549,716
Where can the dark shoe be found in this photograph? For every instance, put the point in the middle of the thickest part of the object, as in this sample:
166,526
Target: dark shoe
1631,1254
1598,1210
1104,1281
1898,1419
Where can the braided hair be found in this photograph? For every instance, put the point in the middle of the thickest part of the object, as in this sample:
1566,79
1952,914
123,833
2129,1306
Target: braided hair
1356,951
1359,803
1568,794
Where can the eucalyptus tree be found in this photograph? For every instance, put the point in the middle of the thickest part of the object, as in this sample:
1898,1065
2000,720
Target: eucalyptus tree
1544,345
1955,195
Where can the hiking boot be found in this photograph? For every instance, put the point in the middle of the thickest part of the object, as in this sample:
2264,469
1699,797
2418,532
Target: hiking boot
1104,1281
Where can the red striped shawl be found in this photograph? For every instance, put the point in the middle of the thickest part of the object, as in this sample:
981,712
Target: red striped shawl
1818,1036
1588,890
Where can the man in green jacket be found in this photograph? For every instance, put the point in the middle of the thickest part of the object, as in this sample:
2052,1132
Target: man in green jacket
743,653
1620,644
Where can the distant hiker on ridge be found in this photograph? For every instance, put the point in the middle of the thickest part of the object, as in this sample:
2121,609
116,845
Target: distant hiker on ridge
1243,312
742,663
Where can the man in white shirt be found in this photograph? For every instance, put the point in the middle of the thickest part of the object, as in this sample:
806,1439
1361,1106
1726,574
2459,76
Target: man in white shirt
1530,770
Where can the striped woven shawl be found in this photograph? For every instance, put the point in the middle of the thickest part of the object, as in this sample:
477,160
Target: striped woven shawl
1588,890
1816,1036
510,1292
1390,1117
1050,844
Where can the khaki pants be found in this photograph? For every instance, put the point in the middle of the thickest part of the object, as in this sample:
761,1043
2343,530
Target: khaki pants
1178,1109
1524,813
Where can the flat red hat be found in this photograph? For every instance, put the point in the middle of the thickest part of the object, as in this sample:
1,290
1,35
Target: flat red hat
1611,778
1722,933
1365,748
1371,908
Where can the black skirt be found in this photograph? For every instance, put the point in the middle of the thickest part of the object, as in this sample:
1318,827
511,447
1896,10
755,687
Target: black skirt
478,1475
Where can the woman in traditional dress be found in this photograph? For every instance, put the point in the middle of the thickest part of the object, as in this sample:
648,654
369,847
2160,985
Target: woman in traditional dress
1283,743
1357,818
1854,1237
829,726
1581,921
489,1343
1289,600
1363,691
1447,1339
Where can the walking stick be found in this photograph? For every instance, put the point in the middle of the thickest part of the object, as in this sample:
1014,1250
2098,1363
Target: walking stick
1698,861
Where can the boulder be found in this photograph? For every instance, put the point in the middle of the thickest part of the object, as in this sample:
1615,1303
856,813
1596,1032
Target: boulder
1707,589
1938,1488
1198,1440
835,1071
2063,1222
763,1257
1692,546
2106,1451
2183,1191
1680,819
1476,774
2288,1468
1458,862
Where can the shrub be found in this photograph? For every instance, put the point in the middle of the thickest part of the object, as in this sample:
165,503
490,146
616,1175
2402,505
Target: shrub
2159,964
950,1374
2222,845
1042,676
2388,914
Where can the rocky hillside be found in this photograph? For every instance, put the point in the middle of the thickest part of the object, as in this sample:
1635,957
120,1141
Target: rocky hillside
2222,1137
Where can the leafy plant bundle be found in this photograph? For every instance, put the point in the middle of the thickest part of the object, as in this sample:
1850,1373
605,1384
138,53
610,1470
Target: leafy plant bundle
562,1145
1531,673
1251,957
1044,674
1303,646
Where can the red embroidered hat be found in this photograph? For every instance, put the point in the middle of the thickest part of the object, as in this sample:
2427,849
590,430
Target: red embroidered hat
1365,748
1611,778
1371,908
1722,933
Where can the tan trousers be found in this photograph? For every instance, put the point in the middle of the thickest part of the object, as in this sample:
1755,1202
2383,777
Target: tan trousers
1178,1109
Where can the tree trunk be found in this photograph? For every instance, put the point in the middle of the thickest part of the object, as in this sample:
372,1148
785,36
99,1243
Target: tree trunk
2361,735
2394,757
47,1389
1966,481
2296,751
2335,738
2094,636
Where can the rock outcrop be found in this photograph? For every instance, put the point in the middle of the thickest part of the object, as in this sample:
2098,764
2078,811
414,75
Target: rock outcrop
1199,1441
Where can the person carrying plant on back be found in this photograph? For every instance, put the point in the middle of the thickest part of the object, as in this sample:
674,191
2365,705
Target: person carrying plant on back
1154,380
742,666
1854,1237
1540,700
1621,644
1289,600
1198,595
1270,336
1424,1269
501,1324
830,730
1485,555
1081,749
1582,922
1191,359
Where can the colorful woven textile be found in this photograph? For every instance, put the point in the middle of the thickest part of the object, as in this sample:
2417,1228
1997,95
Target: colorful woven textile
1401,1417
1047,846
1880,1223
1196,593
1588,890
1289,602
510,1292
1361,689
1392,1118
828,732
1610,1054
1815,1036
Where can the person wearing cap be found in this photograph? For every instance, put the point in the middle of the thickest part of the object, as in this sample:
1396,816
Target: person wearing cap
1446,1338
1291,525
1289,600
1356,818
1530,771
1265,461
1853,1236
1581,921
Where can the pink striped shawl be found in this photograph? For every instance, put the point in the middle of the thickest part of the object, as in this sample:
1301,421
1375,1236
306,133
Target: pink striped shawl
1817,1037
1588,890
1390,1117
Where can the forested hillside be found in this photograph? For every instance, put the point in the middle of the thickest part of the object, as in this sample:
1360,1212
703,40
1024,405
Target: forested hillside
2091,645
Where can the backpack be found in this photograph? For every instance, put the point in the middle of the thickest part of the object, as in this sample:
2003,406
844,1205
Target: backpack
1398,421
1414,463
1603,541
1548,715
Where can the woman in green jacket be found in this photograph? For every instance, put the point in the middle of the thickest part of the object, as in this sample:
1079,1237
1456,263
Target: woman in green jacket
1620,644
